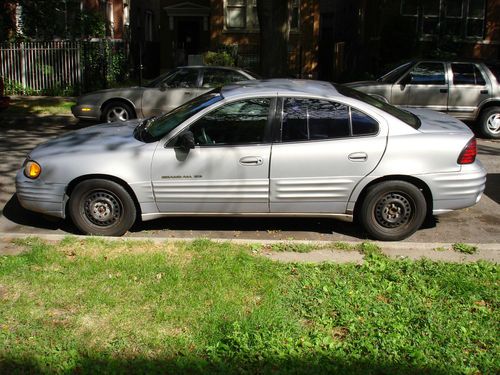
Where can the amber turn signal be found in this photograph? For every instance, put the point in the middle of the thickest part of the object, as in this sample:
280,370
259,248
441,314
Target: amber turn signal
32,169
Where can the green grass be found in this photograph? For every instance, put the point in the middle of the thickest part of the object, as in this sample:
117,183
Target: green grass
40,106
202,307
464,248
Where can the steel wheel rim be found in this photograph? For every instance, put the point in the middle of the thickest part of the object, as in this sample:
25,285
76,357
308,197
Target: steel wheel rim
493,123
117,114
102,208
394,210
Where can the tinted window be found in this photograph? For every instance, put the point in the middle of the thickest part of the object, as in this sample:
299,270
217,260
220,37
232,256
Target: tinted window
363,124
467,74
428,74
240,122
182,78
221,77
313,119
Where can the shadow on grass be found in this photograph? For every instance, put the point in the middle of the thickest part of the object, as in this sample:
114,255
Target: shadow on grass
315,364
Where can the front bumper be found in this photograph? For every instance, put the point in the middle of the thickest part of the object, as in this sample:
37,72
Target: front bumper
86,112
46,198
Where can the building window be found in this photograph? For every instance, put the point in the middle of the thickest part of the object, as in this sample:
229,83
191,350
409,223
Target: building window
242,14
457,18
148,26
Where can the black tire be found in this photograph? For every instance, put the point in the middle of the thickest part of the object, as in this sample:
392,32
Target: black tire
489,122
392,210
117,111
101,207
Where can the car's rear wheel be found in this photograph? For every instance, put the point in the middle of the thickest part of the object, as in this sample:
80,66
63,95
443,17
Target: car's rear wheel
490,122
392,210
101,207
117,111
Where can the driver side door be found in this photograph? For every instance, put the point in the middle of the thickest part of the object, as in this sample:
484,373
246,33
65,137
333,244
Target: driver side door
227,171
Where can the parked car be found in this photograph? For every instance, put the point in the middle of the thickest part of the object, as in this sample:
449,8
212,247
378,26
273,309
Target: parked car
467,90
261,148
161,95
4,100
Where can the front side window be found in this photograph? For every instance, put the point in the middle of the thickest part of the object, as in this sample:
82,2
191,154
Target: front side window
467,74
221,77
428,74
237,123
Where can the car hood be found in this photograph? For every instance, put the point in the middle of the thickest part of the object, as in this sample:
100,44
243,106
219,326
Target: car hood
438,122
107,93
93,139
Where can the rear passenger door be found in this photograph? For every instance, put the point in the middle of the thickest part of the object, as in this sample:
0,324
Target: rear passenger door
468,88
323,150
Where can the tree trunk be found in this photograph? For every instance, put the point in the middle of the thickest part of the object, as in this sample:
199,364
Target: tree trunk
274,21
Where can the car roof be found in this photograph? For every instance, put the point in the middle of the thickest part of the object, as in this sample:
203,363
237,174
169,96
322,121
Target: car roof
208,67
280,86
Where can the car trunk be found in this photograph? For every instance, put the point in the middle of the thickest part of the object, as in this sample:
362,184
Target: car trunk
437,122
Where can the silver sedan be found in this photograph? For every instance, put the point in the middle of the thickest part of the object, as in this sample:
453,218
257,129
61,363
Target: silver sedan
161,95
261,148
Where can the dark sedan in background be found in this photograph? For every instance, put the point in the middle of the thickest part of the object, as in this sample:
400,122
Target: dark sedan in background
467,90
161,95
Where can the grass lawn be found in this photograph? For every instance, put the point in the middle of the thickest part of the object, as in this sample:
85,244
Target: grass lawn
40,106
137,307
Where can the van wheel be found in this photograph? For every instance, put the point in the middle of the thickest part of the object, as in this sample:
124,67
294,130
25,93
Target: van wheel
101,207
393,210
490,122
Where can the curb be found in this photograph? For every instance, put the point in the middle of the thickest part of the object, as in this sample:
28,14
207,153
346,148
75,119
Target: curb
396,250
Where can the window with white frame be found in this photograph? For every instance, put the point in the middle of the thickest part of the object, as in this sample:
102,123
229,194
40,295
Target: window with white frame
242,14
457,18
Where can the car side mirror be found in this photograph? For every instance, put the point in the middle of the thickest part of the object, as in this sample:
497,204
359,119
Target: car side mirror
163,86
186,141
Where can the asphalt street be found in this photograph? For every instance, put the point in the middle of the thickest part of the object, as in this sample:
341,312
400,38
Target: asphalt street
478,224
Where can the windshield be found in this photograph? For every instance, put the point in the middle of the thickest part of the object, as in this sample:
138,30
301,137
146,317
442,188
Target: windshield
395,74
155,129
406,117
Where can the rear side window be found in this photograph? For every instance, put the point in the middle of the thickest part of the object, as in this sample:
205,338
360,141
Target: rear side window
467,74
428,73
316,119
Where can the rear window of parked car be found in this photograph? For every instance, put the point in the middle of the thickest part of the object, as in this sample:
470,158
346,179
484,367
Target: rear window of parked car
467,74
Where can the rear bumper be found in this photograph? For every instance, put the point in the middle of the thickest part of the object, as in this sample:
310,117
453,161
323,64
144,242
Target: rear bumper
453,191
86,112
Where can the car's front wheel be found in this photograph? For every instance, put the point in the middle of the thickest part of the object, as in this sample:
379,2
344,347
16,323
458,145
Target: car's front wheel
490,122
117,111
101,207
392,210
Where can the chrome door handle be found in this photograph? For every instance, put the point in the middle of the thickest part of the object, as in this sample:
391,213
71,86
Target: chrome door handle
251,160
187,92
483,92
358,156
443,91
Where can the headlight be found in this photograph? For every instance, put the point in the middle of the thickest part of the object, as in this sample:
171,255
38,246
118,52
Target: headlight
32,169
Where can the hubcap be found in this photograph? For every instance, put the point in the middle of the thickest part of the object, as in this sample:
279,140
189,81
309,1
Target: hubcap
393,210
117,114
102,208
493,123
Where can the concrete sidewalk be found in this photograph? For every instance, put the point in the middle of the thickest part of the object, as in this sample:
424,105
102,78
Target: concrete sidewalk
396,250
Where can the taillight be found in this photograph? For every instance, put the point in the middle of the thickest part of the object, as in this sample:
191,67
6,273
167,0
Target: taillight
468,154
